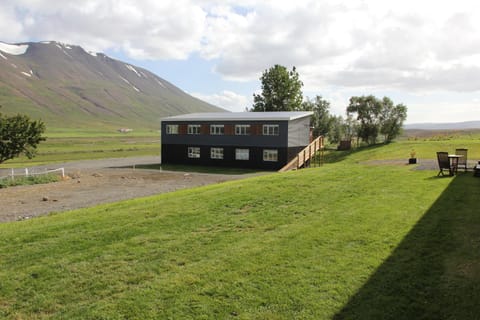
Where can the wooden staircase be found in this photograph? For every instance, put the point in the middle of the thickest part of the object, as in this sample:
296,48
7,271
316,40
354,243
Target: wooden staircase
304,157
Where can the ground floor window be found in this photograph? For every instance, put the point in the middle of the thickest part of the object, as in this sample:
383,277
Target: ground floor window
242,154
270,155
216,153
193,152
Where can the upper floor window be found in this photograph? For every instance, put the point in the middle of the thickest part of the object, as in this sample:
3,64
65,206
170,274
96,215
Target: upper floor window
216,153
217,129
270,129
242,129
172,128
270,155
193,129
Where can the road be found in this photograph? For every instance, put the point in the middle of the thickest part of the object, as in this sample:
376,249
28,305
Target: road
92,182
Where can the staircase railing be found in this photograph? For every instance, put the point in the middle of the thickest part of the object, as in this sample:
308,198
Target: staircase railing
304,157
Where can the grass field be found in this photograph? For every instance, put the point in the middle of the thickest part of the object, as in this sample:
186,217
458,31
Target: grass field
71,145
343,241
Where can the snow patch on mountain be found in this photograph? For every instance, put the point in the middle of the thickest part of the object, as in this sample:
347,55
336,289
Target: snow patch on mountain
129,67
160,83
13,49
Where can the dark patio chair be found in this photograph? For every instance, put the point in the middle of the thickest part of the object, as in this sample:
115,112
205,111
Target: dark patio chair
444,164
462,161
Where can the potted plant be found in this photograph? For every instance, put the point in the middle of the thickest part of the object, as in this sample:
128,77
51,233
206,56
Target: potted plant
412,159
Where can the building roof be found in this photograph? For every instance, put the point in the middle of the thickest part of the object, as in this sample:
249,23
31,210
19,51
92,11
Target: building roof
241,116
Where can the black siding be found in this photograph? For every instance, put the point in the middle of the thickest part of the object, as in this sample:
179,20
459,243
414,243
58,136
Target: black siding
177,154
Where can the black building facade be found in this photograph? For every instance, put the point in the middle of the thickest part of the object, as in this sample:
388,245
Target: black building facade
264,140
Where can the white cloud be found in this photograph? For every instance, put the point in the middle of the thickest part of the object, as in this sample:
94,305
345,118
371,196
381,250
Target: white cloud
145,29
226,99
419,45
11,28
337,46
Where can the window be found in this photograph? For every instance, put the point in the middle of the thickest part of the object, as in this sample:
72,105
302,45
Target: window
242,129
193,152
216,129
270,129
172,128
193,129
242,154
270,155
216,153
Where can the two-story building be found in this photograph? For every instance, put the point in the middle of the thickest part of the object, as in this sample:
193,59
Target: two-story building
265,140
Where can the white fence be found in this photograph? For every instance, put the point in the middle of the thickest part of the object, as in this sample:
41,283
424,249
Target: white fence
28,173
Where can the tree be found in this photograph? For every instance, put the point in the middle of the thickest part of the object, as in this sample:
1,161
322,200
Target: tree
19,135
392,118
321,119
368,110
377,117
281,90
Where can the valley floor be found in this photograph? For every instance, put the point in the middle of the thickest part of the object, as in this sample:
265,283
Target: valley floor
94,182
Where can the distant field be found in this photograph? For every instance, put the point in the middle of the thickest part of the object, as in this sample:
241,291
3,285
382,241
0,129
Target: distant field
71,145
343,241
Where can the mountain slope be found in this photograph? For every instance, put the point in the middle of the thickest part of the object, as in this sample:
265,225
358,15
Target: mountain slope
66,86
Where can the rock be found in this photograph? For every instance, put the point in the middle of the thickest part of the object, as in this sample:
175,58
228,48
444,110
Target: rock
45,199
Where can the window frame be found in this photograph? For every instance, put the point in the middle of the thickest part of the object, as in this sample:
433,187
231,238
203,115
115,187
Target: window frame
242,129
242,158
217,129
172,128
194,129
270,129
193,152
270,155
216,153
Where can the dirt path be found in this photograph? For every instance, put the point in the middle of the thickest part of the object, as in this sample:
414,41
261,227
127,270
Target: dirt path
94,182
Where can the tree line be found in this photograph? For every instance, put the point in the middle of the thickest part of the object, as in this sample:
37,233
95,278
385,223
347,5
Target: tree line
367,117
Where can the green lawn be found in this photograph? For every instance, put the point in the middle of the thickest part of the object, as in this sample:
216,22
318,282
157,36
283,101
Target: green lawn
342,241
71,145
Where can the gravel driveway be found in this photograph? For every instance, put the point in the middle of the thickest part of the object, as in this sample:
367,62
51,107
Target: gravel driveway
93,182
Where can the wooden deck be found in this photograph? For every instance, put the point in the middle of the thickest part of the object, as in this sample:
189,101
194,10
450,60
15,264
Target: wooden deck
305,157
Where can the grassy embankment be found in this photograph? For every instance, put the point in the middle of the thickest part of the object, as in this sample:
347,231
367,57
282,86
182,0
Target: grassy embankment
70,145
345,241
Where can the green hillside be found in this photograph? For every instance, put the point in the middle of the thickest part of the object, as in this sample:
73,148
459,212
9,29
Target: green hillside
67,87
348,240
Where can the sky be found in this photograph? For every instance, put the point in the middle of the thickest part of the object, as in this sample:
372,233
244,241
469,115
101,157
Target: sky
422,53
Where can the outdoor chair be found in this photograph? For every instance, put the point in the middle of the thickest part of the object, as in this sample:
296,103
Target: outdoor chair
462,161
444,164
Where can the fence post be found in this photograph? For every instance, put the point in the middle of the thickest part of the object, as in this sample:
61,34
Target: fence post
26,172
13,175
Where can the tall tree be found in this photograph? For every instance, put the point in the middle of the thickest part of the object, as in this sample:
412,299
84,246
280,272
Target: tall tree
321,119
19,135
281,90
377,117
392,118
367,109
